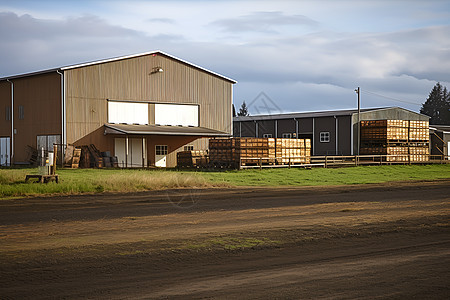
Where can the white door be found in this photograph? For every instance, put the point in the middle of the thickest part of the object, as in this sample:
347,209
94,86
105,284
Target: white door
136,153
5,159
135,157
161,156
120,151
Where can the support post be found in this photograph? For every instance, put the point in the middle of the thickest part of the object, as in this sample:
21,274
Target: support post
55,154
358,91
126,152
143,152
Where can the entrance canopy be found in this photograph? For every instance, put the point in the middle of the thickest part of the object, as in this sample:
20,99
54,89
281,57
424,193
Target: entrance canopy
162,130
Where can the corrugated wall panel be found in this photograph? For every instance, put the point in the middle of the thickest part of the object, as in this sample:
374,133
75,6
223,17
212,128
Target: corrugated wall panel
135,79
40,97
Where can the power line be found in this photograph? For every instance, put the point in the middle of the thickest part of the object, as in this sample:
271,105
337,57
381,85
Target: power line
390,98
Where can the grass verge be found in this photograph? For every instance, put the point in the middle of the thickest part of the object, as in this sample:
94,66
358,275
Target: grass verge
12,181
320,176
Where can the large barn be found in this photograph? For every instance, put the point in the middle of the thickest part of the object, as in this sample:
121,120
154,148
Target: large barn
142,108
331,132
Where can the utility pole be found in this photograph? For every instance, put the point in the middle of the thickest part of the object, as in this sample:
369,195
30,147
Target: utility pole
358,91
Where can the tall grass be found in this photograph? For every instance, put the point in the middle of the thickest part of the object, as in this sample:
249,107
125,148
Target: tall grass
12,182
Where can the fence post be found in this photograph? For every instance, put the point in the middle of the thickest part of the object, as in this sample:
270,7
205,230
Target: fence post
260,163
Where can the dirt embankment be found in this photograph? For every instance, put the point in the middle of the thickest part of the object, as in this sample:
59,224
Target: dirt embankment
390,241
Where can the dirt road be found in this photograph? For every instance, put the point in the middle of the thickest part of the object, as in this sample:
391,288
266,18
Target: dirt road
375,241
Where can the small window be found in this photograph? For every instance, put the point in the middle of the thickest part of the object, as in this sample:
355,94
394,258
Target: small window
21,112
188,148
325,137
161,149
286,135
8,113
267,135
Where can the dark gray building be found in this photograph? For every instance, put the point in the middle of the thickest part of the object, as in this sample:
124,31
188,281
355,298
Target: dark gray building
331,132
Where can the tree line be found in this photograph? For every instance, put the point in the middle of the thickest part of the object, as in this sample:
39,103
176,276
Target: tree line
437,105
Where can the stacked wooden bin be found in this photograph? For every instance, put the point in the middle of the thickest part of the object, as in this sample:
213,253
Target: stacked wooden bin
293,151
234,152
400,140
192,159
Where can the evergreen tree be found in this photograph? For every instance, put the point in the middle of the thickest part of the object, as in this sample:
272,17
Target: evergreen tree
437,105
243,111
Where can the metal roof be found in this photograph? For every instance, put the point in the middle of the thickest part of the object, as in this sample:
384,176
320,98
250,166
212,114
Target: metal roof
444,128
161,130
328,113
117,59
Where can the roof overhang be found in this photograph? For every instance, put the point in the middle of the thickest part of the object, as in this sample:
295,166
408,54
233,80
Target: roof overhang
130,129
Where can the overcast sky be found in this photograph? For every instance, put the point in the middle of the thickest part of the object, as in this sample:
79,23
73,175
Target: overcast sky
303,55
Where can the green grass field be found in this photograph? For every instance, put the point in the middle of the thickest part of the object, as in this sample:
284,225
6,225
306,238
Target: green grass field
340,176
78,181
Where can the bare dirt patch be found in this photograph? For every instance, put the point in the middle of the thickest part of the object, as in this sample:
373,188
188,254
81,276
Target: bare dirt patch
388,241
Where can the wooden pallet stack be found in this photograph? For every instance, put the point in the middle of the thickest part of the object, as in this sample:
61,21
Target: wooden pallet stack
293,151
221,152
33,155
401,140
251,150
254,151
419,140
90,157
192,159
76,158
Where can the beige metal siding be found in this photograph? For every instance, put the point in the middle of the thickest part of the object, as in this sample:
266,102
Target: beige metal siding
87,89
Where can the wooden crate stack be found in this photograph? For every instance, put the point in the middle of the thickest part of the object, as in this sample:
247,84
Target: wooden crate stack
294,151
419,140
221,152
251,151
192,159
406,141
76,158
90,157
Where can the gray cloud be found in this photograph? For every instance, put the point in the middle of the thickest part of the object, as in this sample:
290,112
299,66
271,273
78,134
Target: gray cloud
30,44
265,22
27,27
320,70
301,73
161,20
